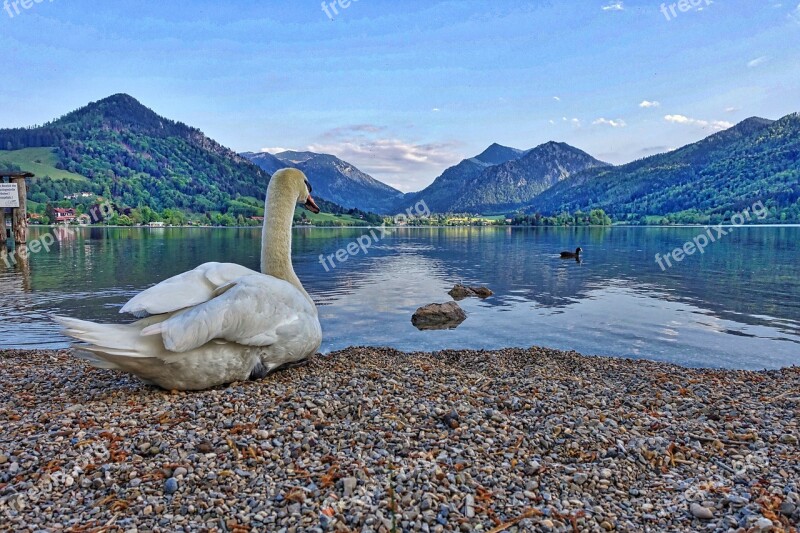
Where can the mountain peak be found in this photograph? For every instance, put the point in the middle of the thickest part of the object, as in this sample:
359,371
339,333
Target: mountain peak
119,98
296,157
124,112
497,154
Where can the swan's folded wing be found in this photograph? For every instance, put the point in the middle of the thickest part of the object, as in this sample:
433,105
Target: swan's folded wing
185,290
255,311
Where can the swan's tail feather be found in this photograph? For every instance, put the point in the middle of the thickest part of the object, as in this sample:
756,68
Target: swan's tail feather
116,346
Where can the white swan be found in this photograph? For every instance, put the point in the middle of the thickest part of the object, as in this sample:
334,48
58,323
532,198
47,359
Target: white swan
220,322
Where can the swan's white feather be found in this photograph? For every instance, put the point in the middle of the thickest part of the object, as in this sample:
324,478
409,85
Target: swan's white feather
252,312
185,290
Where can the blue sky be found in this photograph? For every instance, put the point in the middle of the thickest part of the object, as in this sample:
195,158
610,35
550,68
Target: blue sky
405,89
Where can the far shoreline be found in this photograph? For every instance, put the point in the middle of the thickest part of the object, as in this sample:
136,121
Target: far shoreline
494,226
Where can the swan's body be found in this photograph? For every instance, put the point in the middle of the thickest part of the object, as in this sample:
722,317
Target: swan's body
220,322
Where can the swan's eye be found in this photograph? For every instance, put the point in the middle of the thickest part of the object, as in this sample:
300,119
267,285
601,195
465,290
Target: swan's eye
310,190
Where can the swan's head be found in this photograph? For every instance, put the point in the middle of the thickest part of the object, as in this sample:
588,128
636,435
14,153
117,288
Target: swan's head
293,183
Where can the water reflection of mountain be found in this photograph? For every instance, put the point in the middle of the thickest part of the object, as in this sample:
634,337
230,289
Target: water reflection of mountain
749,275
743,289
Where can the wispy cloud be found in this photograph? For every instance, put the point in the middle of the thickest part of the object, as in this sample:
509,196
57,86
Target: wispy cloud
574,121
795,14
618,123
757,61
404,164
614,5
716,125
435,109
731,109
649,103
557,98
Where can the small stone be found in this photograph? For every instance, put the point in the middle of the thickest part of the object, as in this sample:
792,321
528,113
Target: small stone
349,485
763,524
469,506
180,472
3,459
606,473
580,478
788,508
788,438
547,523
171,486
698,511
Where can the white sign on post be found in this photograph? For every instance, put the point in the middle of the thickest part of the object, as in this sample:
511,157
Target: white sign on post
9,197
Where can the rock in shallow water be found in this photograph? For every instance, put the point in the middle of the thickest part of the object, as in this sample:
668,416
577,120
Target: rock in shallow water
460,292
439,316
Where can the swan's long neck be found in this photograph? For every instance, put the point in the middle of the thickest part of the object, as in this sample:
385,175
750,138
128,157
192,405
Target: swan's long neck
276,237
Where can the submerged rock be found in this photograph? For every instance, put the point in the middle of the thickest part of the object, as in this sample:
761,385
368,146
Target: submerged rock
459,292
439,316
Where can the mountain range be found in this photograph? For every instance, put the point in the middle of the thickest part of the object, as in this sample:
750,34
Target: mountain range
757,159
502,178
119,148
333,179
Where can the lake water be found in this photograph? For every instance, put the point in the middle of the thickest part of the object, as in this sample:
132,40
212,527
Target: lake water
734,306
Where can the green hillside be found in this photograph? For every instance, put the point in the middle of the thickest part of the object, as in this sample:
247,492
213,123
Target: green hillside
41,161
756,160
136,157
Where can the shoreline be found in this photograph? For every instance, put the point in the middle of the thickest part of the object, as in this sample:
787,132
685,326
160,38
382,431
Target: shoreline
524,439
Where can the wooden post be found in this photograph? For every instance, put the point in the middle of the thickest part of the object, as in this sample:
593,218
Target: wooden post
19,216
3,230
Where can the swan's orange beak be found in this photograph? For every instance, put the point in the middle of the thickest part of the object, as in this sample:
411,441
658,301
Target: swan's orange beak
311,205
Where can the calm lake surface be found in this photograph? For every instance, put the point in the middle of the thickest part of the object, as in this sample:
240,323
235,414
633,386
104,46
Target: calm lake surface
735,306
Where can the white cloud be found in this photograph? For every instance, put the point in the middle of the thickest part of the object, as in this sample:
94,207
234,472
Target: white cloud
715,125
613,5
648,103
795,15
557,99
435,109
618,123
404,164
731,109
552,121
274,149
757,61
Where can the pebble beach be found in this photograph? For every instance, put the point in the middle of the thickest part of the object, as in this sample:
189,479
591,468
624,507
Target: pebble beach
371,439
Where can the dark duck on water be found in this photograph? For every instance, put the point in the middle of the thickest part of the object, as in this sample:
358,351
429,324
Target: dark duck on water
572,255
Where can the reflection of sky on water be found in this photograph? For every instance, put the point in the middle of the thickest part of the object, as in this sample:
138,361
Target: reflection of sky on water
734,306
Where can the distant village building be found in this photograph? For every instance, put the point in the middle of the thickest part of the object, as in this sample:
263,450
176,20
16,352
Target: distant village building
64,215
78,195
156,224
